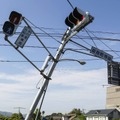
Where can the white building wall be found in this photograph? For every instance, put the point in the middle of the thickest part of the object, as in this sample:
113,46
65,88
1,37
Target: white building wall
97,118
102,118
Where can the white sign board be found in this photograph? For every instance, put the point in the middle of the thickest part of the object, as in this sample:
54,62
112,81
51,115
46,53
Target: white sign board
23,37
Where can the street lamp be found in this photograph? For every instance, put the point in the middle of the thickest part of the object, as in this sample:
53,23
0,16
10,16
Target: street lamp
79,61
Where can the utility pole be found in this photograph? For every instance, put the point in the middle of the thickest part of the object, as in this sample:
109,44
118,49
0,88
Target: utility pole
76,21
19,108
51,69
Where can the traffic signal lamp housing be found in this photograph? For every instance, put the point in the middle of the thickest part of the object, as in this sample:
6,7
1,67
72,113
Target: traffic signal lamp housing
8,28
15,17
78,19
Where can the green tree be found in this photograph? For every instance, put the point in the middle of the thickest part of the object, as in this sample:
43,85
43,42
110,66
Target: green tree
79,114
76,111
36,113
3,117
16,116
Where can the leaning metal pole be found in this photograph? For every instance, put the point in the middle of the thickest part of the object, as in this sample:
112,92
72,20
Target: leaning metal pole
65,39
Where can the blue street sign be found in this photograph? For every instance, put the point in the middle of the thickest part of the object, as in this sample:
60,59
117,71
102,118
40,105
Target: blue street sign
101,54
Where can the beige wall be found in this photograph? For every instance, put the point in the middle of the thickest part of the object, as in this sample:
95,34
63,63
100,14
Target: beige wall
113,97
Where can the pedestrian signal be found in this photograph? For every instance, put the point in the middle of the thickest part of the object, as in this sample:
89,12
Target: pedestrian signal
8,28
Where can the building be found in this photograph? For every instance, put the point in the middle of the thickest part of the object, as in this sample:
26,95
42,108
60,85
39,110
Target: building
104,114
113,97
61,117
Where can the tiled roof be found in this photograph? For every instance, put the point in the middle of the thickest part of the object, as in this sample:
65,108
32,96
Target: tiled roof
100,112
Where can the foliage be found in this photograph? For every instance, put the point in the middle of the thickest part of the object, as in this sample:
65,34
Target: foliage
3,117
36,113
56,114
19,116
76,111
79,114
16,116
82,117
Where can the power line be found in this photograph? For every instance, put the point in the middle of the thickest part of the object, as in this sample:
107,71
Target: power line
59,35
104,32
39,61
106,45
25,20
50,28
70,4
90,37
94,37
80,37
43,31
54,48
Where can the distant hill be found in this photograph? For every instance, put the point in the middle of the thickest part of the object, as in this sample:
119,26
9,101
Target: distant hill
8,114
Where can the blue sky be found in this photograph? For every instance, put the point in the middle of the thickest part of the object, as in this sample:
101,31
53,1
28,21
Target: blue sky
72,85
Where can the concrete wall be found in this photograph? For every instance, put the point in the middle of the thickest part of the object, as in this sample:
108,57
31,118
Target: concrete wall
113,97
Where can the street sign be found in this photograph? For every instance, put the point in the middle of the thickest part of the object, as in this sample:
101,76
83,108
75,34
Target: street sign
8,28
114,73
23,37
101,54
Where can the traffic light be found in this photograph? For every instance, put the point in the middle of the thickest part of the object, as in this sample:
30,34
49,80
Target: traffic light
15,17
8,28
78,19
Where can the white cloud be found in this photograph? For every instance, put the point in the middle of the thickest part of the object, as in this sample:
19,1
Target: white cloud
81,89
76,78
71,89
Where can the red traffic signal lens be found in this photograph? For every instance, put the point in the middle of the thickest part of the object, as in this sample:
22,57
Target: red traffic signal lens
77,14
15,17
74,18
